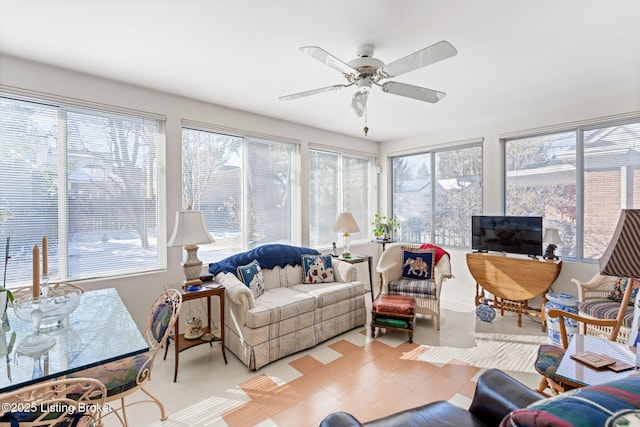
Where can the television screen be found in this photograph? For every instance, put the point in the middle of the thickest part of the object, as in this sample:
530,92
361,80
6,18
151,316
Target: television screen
513,234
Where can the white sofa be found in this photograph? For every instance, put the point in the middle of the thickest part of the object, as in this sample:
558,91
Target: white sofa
290,315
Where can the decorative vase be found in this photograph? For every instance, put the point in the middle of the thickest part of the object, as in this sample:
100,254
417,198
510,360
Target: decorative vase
565,302
485,312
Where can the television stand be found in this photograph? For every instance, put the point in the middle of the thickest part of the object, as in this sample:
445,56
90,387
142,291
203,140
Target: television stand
513,280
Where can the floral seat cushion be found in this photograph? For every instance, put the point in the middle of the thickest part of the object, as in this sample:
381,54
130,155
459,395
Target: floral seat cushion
549,358
117,376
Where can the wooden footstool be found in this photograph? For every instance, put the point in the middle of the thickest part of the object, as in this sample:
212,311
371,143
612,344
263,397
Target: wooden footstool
393,312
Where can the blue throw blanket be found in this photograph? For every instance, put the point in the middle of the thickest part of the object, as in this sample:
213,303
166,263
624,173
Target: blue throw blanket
268,256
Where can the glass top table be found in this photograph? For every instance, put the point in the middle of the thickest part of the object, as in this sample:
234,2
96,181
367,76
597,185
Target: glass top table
98,331
578,374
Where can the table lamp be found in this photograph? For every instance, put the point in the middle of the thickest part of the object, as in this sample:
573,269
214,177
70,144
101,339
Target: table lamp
622,256
346,224
552,239
190,231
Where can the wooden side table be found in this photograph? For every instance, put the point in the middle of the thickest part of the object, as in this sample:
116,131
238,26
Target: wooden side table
356,259
181,343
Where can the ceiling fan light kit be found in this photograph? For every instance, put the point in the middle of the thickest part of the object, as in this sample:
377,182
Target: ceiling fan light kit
365,71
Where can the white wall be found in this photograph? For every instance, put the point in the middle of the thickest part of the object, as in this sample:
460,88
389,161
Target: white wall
462,287
139,291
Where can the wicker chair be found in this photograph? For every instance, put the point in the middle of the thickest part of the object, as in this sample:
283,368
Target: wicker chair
126,376
595,304
390,269
55,403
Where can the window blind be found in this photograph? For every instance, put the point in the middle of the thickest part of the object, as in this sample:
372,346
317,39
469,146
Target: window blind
244,187
88,180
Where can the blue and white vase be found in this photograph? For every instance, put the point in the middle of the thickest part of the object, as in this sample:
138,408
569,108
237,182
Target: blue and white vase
565,302
485,312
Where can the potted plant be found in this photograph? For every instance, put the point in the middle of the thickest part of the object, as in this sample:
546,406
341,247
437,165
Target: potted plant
384,227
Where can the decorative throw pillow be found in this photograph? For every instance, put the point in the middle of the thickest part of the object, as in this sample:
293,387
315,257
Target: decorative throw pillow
620,285
251,276
587,406
417,263
317,268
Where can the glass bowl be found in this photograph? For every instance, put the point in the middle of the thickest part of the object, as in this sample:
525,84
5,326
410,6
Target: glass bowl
58,304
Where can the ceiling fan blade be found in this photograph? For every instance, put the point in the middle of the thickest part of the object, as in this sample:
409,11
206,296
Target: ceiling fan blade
311,92
428,55
415,92
328,59
359,102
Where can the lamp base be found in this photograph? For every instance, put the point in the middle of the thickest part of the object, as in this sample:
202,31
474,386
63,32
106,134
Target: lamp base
345,254
192,267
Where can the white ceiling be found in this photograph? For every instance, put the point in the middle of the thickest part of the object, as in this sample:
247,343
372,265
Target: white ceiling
513,56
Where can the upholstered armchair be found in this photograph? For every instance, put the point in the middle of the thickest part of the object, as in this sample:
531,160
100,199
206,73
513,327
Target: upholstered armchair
602,297
426,292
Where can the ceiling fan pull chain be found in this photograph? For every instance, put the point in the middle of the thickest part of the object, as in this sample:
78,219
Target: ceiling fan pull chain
366,128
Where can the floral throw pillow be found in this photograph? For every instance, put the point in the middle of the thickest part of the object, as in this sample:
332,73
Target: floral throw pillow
620,285
251,276
317,268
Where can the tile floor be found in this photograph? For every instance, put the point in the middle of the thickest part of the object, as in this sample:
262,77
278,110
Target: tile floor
352,372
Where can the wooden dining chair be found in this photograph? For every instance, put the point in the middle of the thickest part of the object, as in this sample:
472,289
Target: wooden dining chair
126,376
73,402
550,356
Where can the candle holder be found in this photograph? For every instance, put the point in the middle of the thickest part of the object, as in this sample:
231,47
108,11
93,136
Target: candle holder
44,287
36,344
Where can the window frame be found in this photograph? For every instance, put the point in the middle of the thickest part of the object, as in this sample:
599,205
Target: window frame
65,109
432,153
365,228
579,128
246,139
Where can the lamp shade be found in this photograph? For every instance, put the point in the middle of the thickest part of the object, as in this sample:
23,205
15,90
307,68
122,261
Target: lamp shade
189,229
551,237
622,257
346,223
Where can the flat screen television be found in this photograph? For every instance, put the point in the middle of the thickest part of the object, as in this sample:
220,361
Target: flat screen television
512,234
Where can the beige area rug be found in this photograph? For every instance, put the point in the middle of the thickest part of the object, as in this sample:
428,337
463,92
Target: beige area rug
509,352
368,378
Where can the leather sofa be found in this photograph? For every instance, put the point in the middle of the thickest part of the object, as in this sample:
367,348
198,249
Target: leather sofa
497,394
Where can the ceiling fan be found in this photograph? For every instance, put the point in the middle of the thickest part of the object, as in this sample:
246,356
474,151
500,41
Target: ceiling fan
365,71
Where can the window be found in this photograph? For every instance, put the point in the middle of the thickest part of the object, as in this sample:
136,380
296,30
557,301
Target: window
244,187
338,182
86,179
434,195
578,180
